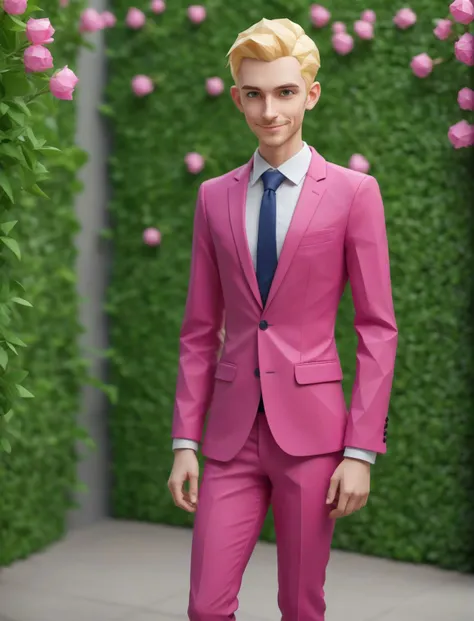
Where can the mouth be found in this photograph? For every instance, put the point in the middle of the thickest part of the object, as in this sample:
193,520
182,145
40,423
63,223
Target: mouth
270,128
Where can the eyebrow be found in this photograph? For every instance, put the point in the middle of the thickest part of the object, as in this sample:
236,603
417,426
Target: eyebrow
277,88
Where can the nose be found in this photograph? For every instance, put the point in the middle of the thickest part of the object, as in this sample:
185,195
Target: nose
269,113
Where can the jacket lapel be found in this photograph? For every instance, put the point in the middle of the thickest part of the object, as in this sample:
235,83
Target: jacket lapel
312,192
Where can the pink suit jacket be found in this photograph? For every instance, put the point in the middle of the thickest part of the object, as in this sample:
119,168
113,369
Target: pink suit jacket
287,349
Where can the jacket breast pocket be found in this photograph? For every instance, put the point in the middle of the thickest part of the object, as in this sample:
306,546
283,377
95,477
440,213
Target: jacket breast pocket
318,237
225,371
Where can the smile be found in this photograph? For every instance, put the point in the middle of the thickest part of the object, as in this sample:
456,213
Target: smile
271,127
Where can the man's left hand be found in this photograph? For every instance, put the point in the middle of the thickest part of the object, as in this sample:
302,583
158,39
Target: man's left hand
349,487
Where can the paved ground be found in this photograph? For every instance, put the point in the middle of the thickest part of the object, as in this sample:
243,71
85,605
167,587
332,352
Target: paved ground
127,571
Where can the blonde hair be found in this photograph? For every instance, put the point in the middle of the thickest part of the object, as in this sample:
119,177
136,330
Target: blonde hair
270,39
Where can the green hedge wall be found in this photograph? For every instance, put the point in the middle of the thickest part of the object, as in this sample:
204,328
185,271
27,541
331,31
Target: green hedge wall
421,507
38,477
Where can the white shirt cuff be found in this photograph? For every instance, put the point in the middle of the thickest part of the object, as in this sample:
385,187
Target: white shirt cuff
360,454
181,443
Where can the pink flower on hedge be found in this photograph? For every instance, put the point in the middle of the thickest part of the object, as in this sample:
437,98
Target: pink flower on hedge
338,27
466,98
62,83
194,162
359,162
158,6
364,30
152,236
404,18
462,11
369,16
342,43
196,13
135,18
63,3
37,59
214,86
464,49
320,16
15,7
90,21
39,31
422,65
443,29
108,19
461,134
142,85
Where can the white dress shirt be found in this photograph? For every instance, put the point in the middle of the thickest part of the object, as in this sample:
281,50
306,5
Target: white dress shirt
287,196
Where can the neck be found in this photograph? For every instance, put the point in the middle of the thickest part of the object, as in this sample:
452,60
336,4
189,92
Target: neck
276,156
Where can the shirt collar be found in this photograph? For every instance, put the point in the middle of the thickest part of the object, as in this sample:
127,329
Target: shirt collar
294,169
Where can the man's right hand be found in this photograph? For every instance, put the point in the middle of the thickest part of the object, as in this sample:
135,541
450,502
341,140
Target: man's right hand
185,468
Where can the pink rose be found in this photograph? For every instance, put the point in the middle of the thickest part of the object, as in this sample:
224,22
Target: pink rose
37,58
364,30
152,236
62,83
196,13
466,98
135,18
338,27
461,134
359,162
462,11
342,43
158,6
142,85
443,29
464,49
422,65
39,31
404,18
108,19
15,7
194,162
320,16
369,16
214,86
90,21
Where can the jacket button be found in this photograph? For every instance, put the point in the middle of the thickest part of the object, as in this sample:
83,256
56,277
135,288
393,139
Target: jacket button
263,325
257,372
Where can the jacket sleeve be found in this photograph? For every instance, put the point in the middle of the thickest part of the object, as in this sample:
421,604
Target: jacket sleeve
199,337
367,264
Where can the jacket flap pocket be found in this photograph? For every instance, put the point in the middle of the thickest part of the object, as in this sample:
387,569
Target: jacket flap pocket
318,372
318,236
225,371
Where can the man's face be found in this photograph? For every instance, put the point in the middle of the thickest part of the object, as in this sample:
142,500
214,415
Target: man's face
273,97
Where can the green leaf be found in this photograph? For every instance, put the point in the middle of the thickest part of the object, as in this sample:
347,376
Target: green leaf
35,189
16,116
11,338
12,347
8,416
6,445
3,359
20,26
3,108
13,151
24,394
13,245
5,185
19,103
8,226
22,302
16,84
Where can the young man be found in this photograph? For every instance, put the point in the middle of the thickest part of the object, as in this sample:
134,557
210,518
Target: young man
275,242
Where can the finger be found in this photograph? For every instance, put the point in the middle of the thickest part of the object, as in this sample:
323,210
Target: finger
193,488
178,497
341,505
352,505
333,487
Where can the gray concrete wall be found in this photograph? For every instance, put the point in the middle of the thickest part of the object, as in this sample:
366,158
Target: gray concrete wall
92,267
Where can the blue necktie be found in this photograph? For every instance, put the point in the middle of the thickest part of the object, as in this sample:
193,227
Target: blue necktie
267,247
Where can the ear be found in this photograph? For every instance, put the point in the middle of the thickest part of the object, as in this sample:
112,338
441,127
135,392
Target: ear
313,96
235,94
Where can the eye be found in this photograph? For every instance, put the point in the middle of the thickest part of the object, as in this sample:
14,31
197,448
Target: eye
251,93
288,90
